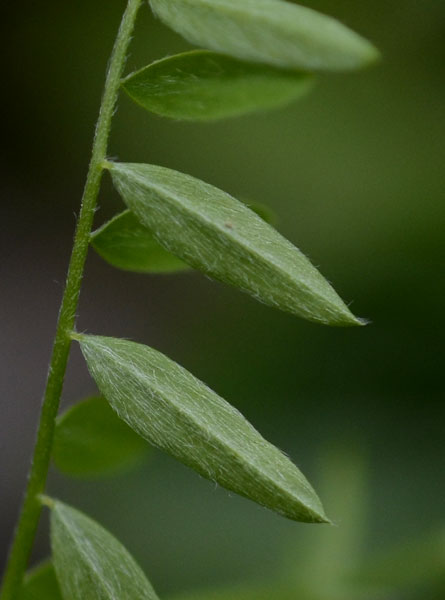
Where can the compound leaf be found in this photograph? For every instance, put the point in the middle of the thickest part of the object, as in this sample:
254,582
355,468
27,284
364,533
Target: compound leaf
126,244
202,86
91,440
90,563
41,584
173,410
213,232
273,32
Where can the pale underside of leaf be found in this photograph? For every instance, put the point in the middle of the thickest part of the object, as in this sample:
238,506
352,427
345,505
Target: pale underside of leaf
202,85
90,563
213,232
173,410
273,32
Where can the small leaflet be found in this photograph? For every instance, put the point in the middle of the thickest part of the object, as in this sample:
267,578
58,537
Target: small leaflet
206,86
40,583
126,244
91,441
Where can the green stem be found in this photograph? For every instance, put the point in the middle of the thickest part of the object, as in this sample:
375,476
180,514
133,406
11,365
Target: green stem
29,516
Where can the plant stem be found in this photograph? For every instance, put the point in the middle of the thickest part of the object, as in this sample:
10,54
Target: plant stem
29,516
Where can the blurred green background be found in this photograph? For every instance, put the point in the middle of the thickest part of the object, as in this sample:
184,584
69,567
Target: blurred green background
355,173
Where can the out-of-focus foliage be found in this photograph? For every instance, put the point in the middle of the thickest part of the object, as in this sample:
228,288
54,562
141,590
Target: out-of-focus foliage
334,565
268,31
90,441
126,244
204,86
41,583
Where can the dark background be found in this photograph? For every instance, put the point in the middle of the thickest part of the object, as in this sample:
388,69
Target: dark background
355,174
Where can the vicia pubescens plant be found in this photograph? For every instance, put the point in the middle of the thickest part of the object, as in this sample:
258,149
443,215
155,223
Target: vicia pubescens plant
253,55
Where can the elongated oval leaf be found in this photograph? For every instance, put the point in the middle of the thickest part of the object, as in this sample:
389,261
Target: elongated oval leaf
202,85
41,584
90,563
267,31
173,410
126,244
91,440
219,235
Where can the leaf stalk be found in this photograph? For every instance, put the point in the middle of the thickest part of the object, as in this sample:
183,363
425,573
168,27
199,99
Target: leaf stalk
31,507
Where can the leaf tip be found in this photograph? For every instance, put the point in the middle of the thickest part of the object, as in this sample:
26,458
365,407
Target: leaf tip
325,520
317,517
363,322
346,318
357,321
317,513
372,55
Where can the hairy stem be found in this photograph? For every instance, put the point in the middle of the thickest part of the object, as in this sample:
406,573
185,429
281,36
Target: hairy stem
29,516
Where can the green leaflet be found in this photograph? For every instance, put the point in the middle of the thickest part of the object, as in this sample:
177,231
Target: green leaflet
41,584
90,563
90,440
213,232
202,85
267,31
126,244
173,410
